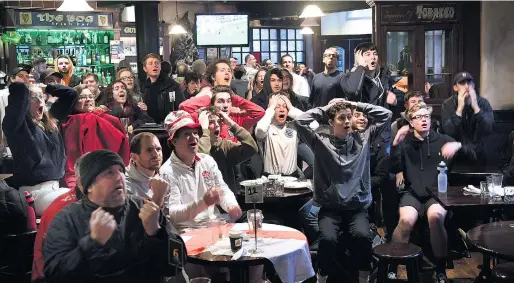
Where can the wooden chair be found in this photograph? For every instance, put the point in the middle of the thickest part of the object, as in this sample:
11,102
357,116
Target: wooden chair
396,254
504,273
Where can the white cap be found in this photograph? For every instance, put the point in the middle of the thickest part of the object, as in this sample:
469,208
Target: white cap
442,164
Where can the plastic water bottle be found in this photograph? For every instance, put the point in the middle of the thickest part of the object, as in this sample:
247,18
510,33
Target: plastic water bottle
442,179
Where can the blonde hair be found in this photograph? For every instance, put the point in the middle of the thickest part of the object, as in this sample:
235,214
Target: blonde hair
418,106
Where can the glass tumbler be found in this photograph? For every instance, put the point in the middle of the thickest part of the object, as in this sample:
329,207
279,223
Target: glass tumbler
255,218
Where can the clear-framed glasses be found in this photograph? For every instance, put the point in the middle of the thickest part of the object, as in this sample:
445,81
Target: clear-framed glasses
86,97
419,117
127,78
38,97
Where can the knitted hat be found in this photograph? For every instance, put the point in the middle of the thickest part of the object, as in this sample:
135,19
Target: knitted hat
94,163
177,120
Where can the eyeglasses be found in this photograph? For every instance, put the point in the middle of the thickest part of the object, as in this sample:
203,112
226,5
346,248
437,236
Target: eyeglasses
419,117
38,97
127,78
86,97
330,55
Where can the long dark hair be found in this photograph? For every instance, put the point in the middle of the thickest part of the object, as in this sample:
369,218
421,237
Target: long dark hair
47,123
128,107
136,90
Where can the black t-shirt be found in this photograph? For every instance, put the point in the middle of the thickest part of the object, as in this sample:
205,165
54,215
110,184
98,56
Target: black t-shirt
325,88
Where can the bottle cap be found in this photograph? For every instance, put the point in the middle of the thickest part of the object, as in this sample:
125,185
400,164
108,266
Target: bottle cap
235,234
441,164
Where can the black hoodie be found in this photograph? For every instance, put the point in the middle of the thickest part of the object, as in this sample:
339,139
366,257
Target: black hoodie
471,128
418,160
158,97
262,98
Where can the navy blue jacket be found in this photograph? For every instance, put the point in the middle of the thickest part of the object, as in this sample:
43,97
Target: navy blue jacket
38,155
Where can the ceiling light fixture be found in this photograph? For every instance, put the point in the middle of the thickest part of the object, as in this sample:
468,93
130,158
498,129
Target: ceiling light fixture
306,30
309,22
177,28
75,6
311,11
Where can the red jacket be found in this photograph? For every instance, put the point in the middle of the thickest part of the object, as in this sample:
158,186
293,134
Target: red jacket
247,119
86,132
57,205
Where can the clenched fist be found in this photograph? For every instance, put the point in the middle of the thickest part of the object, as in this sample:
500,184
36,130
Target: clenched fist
160,189
212,196
102,225
149,215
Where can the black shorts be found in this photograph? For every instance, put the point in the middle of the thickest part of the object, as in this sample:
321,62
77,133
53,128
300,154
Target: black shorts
420,204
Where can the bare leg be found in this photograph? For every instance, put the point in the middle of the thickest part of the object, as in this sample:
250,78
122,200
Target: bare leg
438,238
408,217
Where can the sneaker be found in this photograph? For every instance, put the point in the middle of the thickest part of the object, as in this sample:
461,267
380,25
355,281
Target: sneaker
391,276
440,278
321,278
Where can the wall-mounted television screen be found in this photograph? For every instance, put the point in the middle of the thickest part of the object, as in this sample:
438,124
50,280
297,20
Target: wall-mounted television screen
221,30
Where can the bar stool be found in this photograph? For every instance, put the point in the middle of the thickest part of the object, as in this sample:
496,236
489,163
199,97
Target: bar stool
398,254
504,273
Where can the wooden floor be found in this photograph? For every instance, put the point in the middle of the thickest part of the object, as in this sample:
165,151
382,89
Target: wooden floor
465,270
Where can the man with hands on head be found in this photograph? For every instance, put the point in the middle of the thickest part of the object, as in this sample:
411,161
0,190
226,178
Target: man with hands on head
417,154
108,236
466,116
225,152
196,183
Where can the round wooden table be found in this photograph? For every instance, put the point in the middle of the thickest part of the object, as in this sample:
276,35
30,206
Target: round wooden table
494,239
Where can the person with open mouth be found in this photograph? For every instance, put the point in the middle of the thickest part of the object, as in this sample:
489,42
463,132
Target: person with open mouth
226,153
417,154
273,83
121,104
279,137
85,127
342,184
36,145
245,113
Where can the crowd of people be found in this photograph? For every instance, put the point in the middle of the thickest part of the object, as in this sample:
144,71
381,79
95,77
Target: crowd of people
108,203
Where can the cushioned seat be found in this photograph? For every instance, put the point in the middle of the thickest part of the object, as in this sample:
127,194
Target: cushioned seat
504,273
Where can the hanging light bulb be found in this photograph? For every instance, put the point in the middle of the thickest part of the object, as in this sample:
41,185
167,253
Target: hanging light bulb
311,11
309,22
75,6
177,28
306,30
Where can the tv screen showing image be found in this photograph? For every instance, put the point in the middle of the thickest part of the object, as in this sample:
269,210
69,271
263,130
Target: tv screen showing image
221,30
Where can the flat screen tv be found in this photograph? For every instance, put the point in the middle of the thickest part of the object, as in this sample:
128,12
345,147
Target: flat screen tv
213,30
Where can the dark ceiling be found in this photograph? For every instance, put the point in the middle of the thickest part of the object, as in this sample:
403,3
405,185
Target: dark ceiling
272,9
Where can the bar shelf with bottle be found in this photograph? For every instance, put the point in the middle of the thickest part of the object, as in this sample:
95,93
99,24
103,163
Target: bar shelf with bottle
88,49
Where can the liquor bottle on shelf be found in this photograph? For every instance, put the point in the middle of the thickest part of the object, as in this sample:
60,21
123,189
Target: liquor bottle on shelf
104,80
38,39
102,57
94,37
106,37
84,56
28,38
49,38
107,56
97,57
76,39
90,57
108,78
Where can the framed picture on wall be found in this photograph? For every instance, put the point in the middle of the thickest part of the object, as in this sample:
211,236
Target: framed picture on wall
202,54
212,55
225,52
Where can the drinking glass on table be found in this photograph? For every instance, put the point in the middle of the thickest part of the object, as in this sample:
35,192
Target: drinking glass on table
255,215
483,188
497,180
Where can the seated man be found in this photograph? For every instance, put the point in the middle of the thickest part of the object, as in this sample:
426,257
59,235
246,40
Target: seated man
196,182
57,205
278,137
107,236
417,154
466,116
342,185
226,153
507,162
143,178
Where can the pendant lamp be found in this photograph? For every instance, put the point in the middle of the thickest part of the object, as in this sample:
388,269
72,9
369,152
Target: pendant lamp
75,6
311,11
177,28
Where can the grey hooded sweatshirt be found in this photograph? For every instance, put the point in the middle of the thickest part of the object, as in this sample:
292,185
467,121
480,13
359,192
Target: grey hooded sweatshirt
342,179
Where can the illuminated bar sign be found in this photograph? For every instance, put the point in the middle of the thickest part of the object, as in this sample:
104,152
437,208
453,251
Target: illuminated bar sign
25,18
439,12
130,30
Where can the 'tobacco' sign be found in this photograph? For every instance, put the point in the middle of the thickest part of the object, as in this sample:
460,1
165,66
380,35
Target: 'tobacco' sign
437,13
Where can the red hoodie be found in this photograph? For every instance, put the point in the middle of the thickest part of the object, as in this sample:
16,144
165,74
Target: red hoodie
251,115
86,132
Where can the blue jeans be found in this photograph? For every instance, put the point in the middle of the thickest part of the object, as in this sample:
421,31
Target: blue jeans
309,218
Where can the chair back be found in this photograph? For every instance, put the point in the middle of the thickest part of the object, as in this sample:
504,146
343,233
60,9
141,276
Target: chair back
16,255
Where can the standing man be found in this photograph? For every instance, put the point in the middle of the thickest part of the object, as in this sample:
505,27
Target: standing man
466,116
250,67
65,66
39,66
342,184
233,62
162,94
327,84
300,84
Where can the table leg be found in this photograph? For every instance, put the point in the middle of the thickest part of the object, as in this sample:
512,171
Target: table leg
239,275
485,270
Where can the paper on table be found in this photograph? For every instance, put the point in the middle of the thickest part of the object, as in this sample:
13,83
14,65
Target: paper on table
186,238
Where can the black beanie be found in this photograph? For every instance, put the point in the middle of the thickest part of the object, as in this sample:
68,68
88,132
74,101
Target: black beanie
94,163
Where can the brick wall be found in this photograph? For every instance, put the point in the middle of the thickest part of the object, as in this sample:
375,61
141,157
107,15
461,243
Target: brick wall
49,4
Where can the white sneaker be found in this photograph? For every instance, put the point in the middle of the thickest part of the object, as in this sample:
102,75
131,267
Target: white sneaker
321,278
